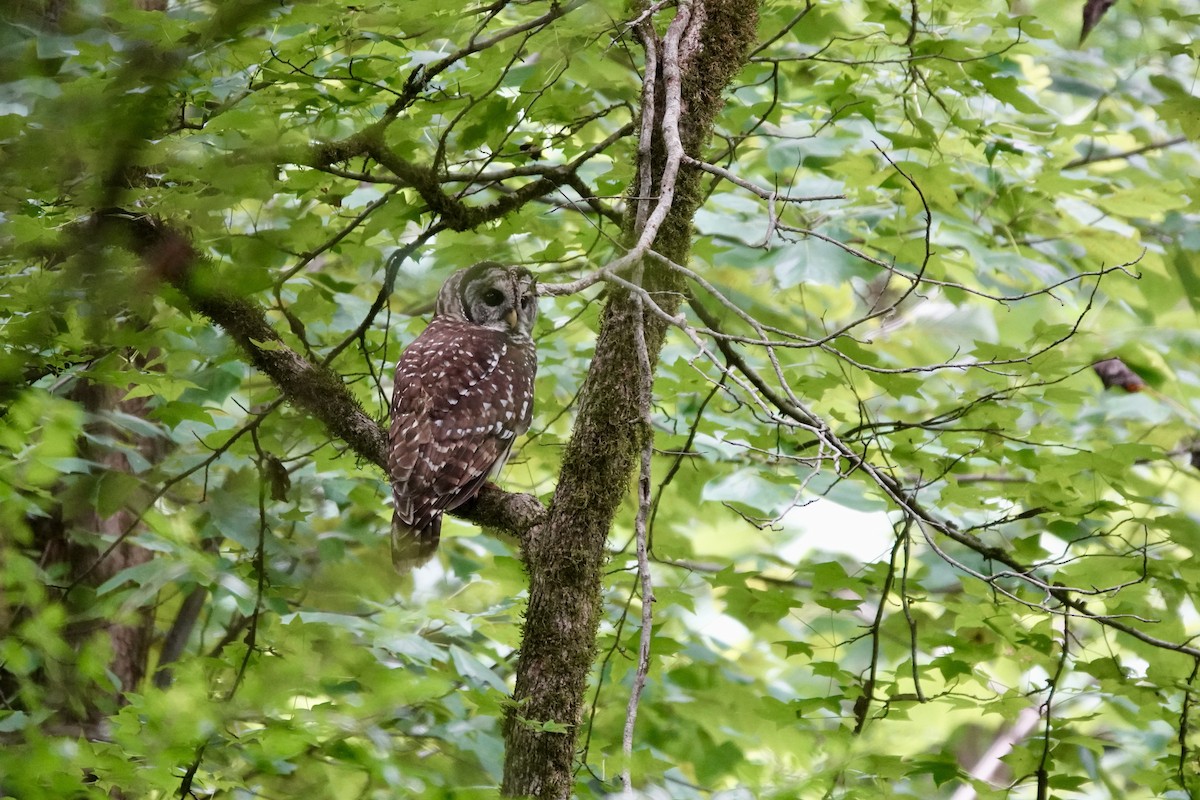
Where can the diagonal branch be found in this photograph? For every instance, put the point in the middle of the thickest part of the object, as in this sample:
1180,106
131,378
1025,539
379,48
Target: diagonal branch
927,521
314,388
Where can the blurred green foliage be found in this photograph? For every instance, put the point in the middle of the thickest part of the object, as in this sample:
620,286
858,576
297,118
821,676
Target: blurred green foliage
1046,195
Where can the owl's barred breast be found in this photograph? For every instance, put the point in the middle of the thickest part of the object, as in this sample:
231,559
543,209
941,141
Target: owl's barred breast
463,368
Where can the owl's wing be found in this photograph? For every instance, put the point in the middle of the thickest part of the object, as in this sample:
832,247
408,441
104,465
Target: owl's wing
462,395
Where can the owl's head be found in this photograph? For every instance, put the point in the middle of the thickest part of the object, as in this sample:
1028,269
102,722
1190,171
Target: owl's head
492,295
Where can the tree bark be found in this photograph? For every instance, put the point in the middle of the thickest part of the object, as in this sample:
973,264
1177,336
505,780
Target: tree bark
565,556
87,548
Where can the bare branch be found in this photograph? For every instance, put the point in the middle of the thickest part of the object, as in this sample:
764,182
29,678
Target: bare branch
766,194
990,761
1137,151
926,521
646,382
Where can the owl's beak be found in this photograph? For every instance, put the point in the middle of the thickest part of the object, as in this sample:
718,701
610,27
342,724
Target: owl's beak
511,318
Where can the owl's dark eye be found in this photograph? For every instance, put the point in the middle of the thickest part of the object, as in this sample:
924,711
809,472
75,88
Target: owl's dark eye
493,297
527,301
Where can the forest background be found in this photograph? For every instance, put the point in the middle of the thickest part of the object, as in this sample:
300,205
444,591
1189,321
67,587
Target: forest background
825,288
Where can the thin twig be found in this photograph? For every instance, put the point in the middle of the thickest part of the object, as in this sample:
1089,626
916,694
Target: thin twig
1137,151
766,194
1043,773
1185,728
647,583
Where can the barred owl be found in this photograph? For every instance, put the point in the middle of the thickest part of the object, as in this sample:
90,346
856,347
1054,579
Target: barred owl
463,393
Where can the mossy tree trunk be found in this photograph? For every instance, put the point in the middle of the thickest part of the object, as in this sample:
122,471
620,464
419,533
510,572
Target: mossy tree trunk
566,557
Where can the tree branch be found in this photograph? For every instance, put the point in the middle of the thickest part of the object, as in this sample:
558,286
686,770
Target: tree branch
928,522
1137,151
314,388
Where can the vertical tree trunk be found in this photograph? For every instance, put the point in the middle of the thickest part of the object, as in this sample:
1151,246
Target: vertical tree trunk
565,559
76,537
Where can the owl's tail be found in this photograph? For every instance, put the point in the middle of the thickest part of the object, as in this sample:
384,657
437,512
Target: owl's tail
412,546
